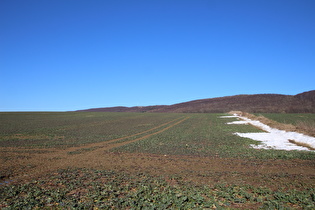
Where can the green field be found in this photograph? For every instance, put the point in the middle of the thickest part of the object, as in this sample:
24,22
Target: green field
42,130
291,118
146,161
200,134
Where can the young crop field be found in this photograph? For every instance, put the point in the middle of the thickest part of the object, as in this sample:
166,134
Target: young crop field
86,160
291,118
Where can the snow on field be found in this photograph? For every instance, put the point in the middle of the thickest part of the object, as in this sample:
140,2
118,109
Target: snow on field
229,116
237,122
274,138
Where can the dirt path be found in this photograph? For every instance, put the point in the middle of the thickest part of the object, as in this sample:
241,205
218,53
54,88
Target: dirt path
21,163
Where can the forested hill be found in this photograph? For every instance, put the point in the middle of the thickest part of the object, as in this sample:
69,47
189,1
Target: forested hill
300,103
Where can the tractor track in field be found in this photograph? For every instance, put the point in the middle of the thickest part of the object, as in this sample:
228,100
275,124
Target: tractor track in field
28,163
23,165
117,142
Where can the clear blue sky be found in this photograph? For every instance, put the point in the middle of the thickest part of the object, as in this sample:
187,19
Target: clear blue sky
63,55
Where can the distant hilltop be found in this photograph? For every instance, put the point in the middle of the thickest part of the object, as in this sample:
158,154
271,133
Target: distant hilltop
268,103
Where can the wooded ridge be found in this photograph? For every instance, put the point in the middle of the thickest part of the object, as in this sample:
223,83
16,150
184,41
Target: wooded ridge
257,103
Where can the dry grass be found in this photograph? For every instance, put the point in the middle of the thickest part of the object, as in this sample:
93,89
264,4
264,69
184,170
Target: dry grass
306,127
301,144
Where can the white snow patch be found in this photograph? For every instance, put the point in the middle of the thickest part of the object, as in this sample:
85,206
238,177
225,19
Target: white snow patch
274,138
237,122
230,116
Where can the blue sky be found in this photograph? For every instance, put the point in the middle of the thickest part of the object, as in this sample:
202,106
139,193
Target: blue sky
63,55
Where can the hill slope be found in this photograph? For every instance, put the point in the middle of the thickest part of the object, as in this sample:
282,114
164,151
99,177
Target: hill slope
124,109
300,103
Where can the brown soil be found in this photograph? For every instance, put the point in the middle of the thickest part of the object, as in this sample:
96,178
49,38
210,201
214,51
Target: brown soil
20,164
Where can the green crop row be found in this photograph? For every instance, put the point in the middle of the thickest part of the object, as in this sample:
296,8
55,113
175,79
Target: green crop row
99,189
